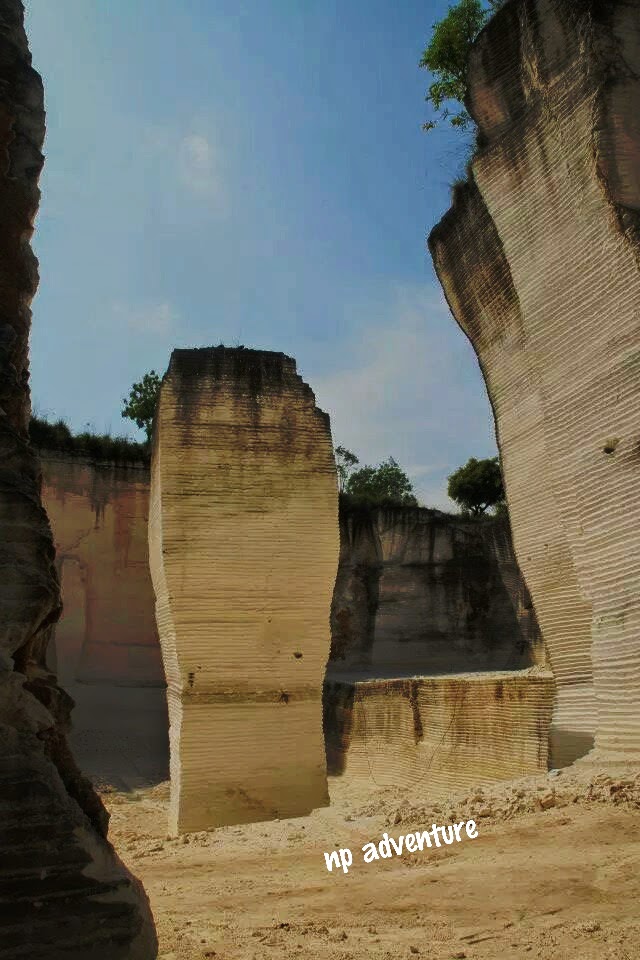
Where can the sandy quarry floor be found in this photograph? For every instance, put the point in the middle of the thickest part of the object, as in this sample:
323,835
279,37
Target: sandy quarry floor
561,882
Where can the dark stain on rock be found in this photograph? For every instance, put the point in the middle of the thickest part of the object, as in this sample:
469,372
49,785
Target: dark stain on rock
250,378
337,722
341,633
410,691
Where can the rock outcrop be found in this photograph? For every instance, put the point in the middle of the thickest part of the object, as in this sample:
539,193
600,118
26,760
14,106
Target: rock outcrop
539,261
419,592
63,892
243,545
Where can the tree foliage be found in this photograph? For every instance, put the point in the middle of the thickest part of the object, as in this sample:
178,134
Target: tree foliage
345,462
386,483
142,401
477,485
446,56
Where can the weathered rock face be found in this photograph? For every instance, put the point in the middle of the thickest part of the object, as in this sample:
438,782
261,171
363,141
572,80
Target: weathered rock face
421,592
99,514
439,602
539,261
243,544
416,591
63,892
445,733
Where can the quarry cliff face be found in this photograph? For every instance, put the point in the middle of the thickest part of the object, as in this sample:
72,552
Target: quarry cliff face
434,642
99,515
63,890
243,548
538,258
438,676
422,592
417,591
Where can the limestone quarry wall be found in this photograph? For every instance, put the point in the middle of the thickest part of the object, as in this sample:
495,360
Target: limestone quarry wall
443,733
99,516
63,892
243,545
422,592
435,609
416,590
538,258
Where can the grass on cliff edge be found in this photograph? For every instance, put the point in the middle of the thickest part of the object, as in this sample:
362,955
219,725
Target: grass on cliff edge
59,438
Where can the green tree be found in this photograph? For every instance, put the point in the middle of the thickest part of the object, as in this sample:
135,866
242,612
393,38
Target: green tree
477,485
386,482
345,461
446,56
142,401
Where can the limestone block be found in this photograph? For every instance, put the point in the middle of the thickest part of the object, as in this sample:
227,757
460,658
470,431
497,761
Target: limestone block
243,544
539,261
63,892
444,733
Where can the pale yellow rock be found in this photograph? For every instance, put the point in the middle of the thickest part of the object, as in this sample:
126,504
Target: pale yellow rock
442,733
539,260
99,519
417,591
244,544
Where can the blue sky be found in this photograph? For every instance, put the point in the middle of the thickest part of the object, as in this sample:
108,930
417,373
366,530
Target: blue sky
251,171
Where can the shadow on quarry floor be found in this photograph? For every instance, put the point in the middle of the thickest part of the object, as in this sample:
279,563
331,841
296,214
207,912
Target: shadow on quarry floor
120,735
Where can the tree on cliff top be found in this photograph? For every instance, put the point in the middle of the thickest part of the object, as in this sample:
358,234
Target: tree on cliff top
141,404
446,56
386,483
477,485
345,462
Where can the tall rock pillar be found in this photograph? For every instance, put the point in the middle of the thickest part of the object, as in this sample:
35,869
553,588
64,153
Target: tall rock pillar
539,259
63,891
244,544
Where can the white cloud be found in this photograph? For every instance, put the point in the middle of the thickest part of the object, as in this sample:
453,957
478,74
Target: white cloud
155,318
410,387
199,167
190,159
